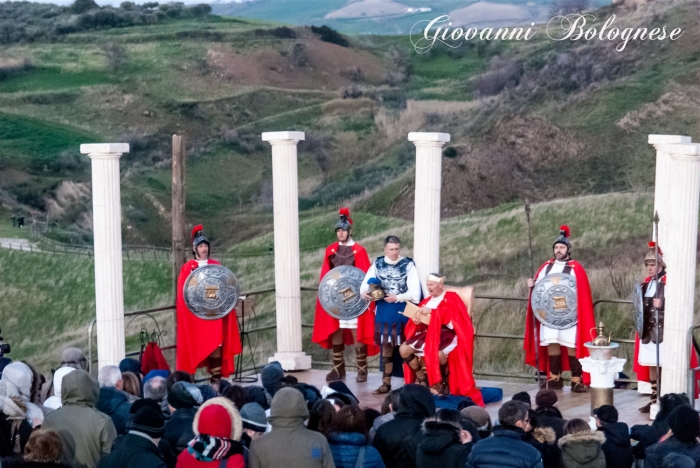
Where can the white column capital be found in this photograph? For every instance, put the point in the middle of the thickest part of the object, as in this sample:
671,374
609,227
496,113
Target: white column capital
658,140
283,138
602,372
104,150
429,139
683,151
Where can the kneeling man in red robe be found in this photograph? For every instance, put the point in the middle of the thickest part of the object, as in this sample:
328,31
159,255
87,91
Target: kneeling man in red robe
445,344
204,343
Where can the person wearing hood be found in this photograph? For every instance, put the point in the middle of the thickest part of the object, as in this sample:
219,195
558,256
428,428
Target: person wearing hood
140,446
506,449
112,400
183,399
647,435
54,402
617,446
682,438
445,444
548,415
290,444
15,389
86,433
70,357
218,428
397,440
580,447
348,440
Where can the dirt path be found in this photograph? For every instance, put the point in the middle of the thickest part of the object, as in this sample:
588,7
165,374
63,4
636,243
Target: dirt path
18,244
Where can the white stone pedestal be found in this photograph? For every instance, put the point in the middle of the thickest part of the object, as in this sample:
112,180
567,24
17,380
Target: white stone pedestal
286,217
107,228
426,237
602,372
680,249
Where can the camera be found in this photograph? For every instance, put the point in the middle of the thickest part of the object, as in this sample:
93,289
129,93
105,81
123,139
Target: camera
4,347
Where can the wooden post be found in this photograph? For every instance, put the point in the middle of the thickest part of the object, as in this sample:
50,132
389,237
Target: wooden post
178,207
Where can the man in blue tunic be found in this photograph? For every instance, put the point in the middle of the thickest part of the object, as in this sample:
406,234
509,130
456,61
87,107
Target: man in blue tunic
398,278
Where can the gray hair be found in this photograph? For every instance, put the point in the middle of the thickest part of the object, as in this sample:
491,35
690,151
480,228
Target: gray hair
109,376
511,412
155,388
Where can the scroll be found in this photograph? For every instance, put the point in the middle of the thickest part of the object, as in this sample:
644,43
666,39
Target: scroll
411,310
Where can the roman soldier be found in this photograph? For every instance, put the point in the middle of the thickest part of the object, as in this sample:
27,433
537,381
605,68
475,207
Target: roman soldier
441,353
398,279
645,347
332,333
204,343
554,343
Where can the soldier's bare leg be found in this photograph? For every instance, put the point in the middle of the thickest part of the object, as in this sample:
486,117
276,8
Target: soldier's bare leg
214,365
387,354
414,362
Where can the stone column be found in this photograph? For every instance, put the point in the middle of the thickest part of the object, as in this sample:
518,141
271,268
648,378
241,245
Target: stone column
285,190
426,229
107,228
662,185
680,249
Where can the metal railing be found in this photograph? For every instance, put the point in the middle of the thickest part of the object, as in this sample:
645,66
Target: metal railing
256,330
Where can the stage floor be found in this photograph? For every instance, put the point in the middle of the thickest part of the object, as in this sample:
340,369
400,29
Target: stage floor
572,405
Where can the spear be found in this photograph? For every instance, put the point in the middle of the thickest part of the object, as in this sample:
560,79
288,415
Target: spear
656,309
532,275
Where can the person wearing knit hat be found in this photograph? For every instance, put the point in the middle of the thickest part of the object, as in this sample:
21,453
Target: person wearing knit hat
254,423
653,293
183,398
548,339
203,343
548,415
271,376
139,448
685,429
331,333
218,428
480,417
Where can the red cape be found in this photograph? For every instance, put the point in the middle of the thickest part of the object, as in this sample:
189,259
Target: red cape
198,338
461,359
325,325
586,321
643,371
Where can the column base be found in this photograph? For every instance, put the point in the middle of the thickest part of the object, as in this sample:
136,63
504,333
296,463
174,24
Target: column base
600,397
654,410
292,361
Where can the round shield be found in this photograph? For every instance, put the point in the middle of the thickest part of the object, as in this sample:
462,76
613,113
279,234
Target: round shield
339,292
554,301
211,292
638,304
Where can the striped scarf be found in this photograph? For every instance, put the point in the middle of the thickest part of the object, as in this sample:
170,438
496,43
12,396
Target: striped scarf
206,448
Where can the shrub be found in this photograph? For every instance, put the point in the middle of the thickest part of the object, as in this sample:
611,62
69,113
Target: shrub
298,56
82,6
116,56
450,152
327,34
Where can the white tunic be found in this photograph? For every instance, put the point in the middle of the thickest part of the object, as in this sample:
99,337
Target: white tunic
431,305
647,352
549,335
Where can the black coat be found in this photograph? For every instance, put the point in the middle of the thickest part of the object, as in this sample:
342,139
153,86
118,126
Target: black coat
657,452
550,416
441,447
115,404
178,430
647,435
20,463
505,449
545,441
6,437
397,440
135,452
617,446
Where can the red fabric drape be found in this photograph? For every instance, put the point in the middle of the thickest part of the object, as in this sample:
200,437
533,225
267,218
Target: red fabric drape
153,359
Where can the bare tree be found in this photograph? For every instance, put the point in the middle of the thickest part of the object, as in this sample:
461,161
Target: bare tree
116,56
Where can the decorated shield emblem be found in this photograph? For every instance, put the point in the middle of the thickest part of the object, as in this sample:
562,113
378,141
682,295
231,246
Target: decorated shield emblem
638,304
211,292
339,293
554,301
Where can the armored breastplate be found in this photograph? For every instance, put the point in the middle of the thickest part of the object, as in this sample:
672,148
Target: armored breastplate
392,277
343,256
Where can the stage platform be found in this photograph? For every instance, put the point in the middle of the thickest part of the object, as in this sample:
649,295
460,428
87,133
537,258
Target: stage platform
572,405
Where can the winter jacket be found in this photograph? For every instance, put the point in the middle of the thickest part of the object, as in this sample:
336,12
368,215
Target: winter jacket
136,452
657,452
505,449
20,463
647,435
441,447
86,433
178,429
290,444
115,404
185,460
550,416
345,448
617,447
397,440
15,426
583,450
378,422
545,441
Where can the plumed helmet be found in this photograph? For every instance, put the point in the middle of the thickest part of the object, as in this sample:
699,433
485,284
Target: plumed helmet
651,254
564,233
345,222
198,236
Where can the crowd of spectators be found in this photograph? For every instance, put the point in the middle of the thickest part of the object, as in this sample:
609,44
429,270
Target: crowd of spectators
123,419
